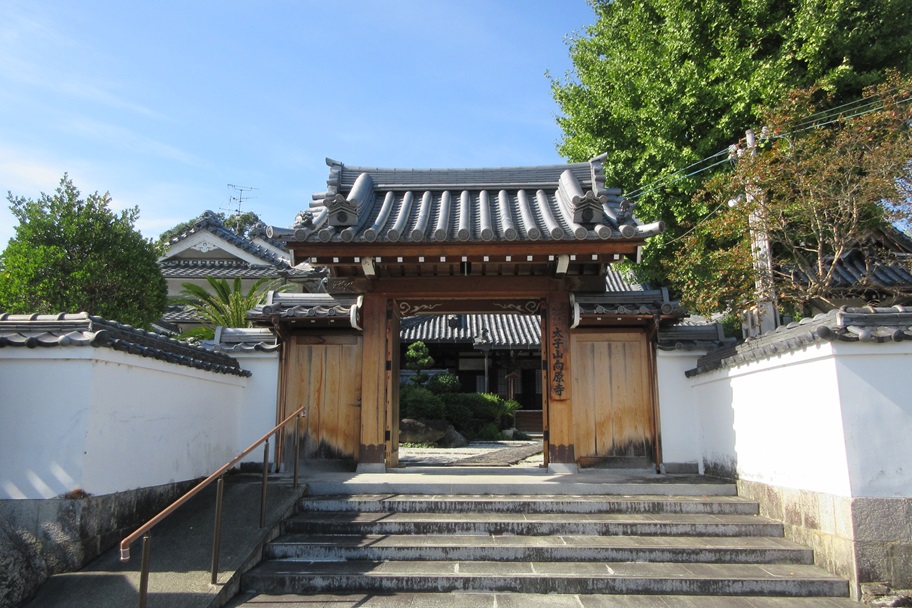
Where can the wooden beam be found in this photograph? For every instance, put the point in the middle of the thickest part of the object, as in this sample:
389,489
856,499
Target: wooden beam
390,252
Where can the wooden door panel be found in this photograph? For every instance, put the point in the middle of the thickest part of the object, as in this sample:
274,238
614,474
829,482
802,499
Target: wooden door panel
612,407
326,377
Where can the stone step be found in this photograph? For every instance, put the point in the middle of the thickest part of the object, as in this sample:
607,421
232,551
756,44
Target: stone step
533,524
792,580
378,547
455,482
529,600
420,503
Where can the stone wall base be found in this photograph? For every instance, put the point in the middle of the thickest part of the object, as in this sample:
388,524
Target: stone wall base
865,540
39,538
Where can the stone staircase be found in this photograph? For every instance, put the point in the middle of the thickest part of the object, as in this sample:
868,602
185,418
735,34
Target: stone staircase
589,546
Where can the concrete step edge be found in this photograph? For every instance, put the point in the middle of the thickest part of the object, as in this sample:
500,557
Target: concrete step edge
527,504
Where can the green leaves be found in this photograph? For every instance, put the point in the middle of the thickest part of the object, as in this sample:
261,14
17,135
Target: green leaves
72,254
227,305
661,84
820,190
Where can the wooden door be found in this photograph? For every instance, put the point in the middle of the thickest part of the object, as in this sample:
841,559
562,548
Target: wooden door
325,374
613,415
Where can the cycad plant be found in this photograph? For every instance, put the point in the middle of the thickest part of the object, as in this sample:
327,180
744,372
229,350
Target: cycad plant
226,305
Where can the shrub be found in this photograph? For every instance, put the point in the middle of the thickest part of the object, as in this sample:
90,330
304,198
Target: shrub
489,432
418,402
458,415
444,383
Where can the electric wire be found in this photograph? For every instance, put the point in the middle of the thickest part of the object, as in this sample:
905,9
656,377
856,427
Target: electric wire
671,175
870,106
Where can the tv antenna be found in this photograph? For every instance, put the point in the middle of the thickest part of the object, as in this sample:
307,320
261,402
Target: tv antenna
238,200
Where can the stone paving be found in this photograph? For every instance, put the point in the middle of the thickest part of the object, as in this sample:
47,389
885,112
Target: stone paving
526,454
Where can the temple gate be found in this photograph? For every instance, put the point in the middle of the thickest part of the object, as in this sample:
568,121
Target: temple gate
530,240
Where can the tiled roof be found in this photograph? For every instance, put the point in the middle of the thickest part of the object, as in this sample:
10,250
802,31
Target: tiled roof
500,331
82,329
227,269
261,231
692,337
179,313
867,324
652,302
851,272
319,308
243,340
549,203
890,270
209,222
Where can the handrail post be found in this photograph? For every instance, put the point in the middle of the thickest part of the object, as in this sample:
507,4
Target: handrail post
297,451
265,481
144,570
217,532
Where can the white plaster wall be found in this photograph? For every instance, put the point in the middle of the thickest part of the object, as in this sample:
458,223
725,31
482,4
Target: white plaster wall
44,413
105,421
778,421
874,387
257,413
154,423
677,410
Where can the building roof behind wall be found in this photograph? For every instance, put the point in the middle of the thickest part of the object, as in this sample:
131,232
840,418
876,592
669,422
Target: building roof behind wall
209,222
83,329
846,324
497,331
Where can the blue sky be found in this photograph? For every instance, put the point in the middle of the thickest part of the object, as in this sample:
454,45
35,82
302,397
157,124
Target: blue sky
164,104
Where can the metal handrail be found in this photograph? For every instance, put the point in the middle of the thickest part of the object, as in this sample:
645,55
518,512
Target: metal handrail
144,530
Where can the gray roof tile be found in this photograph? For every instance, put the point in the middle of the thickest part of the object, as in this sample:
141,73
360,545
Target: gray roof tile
550,203
501,331
83,329
316,307
228,269
209,222
846,324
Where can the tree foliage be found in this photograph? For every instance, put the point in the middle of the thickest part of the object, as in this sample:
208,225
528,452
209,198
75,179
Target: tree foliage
660,85
227,305
241,223
819,191
71,254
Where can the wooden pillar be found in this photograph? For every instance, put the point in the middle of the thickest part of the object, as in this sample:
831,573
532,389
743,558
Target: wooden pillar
558,374
374,381
392,386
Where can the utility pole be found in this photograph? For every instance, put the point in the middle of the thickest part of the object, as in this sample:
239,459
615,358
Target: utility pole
764,317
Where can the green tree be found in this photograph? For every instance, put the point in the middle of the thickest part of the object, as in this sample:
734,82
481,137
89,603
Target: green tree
661,85
71,254
818,190
226,305
241,223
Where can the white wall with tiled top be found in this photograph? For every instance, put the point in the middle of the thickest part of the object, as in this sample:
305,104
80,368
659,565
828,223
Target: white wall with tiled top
834,418
104,421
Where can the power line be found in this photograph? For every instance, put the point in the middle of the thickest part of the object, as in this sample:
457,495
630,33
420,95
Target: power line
634,193
867,105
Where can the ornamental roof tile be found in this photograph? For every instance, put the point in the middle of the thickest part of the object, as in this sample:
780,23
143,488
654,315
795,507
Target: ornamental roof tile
210,222
83,329
846,324
548,203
